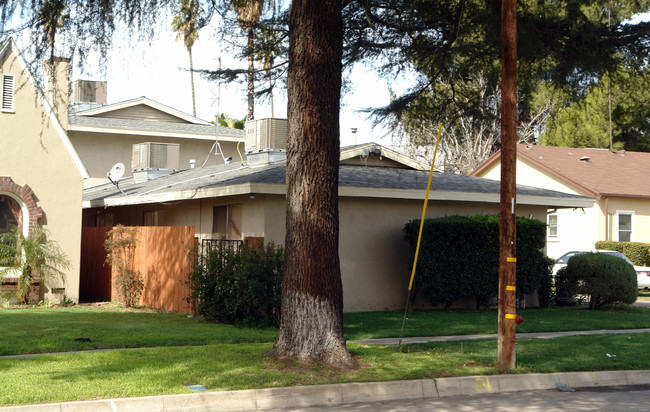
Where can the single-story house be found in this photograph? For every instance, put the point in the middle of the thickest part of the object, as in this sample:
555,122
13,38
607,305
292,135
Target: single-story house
618,180
379,192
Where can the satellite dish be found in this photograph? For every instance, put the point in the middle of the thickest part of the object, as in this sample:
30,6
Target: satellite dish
116,173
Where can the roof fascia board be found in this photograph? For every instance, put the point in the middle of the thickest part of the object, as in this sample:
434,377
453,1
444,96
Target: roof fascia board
140,132
465,197
49,111
344,191
147,102
624,196
234,190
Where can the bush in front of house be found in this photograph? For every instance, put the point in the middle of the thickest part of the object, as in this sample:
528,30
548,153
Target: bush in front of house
121,244
243,288
637,252
459,258
601,278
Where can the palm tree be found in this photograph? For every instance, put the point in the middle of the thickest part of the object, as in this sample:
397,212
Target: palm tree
31,256
249,13
185,23
51,17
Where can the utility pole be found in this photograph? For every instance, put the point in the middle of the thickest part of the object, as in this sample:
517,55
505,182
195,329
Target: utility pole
507,221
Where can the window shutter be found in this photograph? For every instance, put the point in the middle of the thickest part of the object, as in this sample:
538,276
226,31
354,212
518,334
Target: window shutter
7,104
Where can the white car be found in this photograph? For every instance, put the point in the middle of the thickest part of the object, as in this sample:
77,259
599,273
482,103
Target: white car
642,272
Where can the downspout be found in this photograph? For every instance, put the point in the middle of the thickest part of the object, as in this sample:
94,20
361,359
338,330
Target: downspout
607,218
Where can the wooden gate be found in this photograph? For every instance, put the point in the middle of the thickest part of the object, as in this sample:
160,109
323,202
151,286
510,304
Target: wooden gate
162,257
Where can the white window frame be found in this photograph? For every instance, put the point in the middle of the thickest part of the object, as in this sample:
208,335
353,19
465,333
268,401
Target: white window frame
618,224
7,90
548,226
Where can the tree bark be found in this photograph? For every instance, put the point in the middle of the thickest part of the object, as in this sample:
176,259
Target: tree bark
189,50
311,328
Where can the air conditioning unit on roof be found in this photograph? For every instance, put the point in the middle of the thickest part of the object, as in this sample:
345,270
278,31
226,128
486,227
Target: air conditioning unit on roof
150,155
266,134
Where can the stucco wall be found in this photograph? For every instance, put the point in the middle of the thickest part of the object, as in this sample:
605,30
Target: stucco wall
578,229
33,154
640,220
100,151
375,266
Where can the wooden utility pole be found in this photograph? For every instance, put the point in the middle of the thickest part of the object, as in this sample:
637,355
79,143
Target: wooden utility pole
507,225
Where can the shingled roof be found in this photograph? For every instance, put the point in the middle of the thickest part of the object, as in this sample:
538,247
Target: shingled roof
354,181
593,172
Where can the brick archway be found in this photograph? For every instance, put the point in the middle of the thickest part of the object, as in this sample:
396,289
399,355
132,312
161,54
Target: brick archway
26,196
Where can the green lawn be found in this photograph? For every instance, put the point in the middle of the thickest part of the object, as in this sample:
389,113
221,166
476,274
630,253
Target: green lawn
165,370
185,351
55,330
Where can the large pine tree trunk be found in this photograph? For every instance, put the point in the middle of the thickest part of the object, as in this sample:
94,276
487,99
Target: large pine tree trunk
311,328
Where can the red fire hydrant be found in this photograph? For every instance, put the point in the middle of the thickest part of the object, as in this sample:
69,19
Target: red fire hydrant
519,320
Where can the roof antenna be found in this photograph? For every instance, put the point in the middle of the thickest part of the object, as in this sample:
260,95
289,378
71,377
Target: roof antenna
116,173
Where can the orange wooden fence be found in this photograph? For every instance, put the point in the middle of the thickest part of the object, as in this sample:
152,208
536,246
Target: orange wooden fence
161,256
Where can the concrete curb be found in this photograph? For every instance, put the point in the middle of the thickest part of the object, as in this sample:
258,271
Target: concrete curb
340,394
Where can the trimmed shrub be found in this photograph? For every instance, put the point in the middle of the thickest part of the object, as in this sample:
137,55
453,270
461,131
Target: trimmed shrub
243,288
609,245
459,258
600,277
637,252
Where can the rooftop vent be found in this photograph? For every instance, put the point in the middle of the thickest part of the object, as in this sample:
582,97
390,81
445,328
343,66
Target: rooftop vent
89,91
585,159
151,160
266,134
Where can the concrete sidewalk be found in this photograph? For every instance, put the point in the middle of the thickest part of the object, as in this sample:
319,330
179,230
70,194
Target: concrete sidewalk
539,335
341,394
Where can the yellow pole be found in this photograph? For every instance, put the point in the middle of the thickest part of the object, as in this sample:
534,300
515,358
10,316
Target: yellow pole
417,248
424,210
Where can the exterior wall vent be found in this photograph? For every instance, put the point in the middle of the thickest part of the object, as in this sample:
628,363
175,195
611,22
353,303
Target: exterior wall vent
150,155
7,86
266,134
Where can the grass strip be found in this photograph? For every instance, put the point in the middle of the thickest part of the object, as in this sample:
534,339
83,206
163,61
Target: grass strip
165,370
55,330
369,325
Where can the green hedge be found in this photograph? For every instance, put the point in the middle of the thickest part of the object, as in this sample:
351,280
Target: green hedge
637,252
459,258
602,278
240,288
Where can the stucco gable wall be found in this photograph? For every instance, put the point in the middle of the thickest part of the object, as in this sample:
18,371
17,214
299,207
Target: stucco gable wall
530,175
33,154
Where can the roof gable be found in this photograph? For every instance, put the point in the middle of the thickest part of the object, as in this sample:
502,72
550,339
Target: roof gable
7,48
372,154
142,109
597,172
